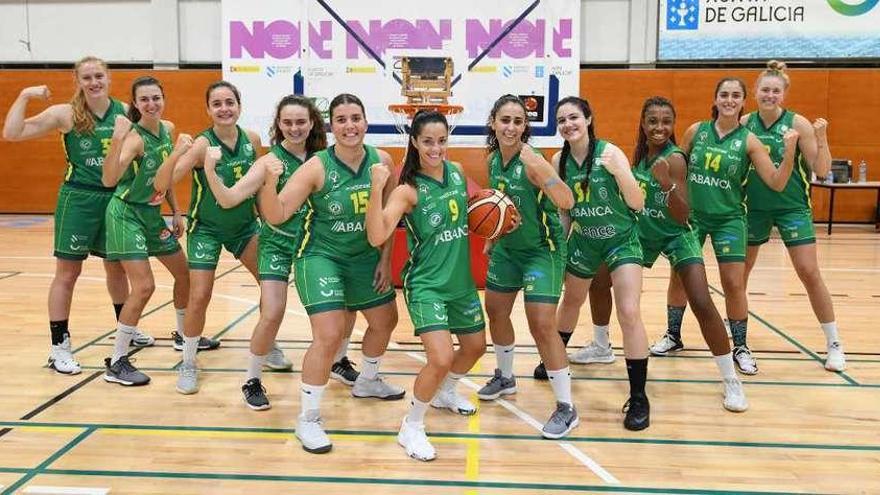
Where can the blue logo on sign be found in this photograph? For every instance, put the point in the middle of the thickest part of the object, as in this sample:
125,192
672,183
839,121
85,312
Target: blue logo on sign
539,71
270,71
682,14
506,70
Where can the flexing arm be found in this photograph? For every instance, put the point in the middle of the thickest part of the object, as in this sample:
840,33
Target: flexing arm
382,278
544,176
775,178
276,207
19,128
247,186
190,159
813,144
617,164
671,174
163,180
688,138
124,147
381,222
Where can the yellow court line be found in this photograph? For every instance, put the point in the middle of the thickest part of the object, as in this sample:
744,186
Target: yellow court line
51,429
472,455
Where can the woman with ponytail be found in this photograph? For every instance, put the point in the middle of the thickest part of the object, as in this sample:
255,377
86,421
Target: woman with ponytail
720,153
86,125
440,292
531,258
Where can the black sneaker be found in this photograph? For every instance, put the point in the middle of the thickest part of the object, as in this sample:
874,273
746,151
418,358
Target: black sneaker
205,344
343,370
638,413
541,372
255,395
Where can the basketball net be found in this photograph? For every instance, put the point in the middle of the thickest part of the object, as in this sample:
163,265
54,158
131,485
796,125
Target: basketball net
403,113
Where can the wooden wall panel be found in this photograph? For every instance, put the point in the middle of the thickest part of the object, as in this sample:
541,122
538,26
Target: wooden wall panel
849,98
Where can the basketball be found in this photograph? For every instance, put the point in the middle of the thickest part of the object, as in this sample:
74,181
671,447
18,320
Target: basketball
491,214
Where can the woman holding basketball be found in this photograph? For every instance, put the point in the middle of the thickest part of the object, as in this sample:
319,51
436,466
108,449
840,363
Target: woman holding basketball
603,231
661,171
720,151
440,292
789,210
336,268
531,258
86,125
139,151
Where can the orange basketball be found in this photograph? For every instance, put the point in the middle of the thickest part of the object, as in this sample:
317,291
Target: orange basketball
490,214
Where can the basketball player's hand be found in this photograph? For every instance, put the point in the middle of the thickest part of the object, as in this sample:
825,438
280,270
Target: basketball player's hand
607,160
36,93
382,277
212,156
178,225
184,143
121,126
660,171
273,172
487,247
379,174
790,139
820,129
517,221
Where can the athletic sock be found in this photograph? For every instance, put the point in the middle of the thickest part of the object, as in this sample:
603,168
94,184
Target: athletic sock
738,331
417,412
451,381
190,348
637,371
674,315
124,334
370,369
255,366
58,330
601,336
725,365
504,357
830,331
560,381
310,397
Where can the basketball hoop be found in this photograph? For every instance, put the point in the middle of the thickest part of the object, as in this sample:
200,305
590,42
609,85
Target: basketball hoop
403,113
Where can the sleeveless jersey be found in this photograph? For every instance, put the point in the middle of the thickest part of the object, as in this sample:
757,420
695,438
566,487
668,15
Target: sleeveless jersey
656,222
796,194
293,226
85,152
439,267
336,225
718,171
136,185
232,165
540,228
599,212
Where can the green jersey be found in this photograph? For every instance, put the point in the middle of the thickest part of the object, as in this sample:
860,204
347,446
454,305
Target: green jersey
656,222
796,195
336,225
85,152
718,171
293,226
439,267
599,211
540,228
232,165
136,184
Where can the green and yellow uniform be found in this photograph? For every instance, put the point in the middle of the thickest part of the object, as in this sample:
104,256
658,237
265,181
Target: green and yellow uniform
335,263
532,257
278,243
658,231
437,282
603,227
212,227
135,227
789,210
83,199
717,174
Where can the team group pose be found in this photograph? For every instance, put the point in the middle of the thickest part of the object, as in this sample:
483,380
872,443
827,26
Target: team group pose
587,220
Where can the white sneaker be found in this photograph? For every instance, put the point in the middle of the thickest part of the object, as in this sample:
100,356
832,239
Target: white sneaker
592,353
744,361
836,360
141,339
412,437
310,432
448,398
377,387
667,344
276,360
734,395
61,358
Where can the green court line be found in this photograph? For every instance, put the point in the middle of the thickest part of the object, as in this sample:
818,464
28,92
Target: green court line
791,340
403,482
14,470
52,458
473,436
530,377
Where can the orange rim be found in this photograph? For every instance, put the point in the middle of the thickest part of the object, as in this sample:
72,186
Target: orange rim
410,110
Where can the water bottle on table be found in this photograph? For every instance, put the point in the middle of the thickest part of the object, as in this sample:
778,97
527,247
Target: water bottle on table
829,177
863,171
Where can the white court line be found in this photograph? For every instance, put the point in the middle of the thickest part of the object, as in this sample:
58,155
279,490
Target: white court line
64,490
578,454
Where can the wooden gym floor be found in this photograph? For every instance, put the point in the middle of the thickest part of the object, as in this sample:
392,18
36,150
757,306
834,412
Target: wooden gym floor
808,430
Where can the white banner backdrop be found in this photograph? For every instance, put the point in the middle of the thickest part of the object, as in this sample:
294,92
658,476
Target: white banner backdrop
322,48
765,29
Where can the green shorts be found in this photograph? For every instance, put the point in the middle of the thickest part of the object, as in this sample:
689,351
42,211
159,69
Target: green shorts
135,232
586,255
680,250
327,284
203,244
79,222
275,253
538,273
794,226
460,315
728,236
